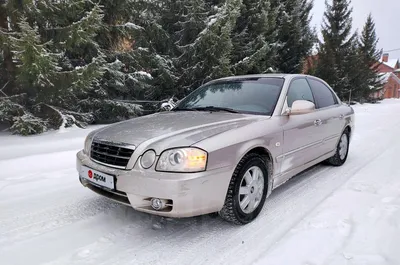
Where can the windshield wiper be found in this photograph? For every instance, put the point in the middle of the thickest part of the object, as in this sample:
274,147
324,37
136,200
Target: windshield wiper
213,108
183,109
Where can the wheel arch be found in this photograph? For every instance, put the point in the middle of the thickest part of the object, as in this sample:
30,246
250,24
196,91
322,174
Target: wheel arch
266,154
348,129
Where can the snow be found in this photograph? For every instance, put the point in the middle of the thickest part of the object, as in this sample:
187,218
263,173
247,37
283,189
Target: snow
132,26
212,22
243,60
391,63
384,77
143,73
327,215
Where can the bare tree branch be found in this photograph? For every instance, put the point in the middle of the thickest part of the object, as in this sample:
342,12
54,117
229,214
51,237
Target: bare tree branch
1,90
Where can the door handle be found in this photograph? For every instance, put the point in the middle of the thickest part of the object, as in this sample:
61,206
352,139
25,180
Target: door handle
317,122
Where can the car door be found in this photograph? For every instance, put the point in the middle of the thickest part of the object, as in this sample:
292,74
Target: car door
302,135
329,112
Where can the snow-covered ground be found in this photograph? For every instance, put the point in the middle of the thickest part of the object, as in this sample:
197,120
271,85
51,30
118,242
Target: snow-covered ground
347,215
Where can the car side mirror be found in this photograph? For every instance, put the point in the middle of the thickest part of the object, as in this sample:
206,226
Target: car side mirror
301,107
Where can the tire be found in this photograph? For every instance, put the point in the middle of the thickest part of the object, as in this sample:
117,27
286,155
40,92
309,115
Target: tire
255,191
340,157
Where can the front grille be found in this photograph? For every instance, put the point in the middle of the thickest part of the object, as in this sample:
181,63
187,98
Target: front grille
111,155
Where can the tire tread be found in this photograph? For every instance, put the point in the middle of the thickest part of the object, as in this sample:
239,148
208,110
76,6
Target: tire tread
335,160
227,212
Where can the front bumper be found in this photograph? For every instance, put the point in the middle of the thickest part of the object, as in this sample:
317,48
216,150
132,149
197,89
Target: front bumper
188,194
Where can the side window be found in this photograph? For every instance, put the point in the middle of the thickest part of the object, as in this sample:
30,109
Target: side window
322,94
299,90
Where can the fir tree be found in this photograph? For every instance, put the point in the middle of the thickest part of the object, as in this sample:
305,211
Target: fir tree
9,12
295,35
83,61
355,73
334,61
121,79
56,59
192,23
119,39
254,38
36,64
156,47
72,35
370,56
211,51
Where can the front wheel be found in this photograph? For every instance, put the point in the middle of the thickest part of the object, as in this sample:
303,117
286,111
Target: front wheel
342,150
247,191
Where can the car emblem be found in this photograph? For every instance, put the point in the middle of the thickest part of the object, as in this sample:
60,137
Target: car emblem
90,174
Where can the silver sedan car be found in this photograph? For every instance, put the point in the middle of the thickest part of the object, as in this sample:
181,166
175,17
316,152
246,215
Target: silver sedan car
223,149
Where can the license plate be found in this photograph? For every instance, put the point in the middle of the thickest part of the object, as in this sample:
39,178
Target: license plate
97,177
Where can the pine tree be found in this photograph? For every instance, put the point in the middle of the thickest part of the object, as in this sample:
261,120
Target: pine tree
125,77
84,61
119,39
55,57
11,103
370,56
157,48
3,26
192,23
356,71
10,10
207,54
333,52
37,65
35,69
73,35
254,38
295,35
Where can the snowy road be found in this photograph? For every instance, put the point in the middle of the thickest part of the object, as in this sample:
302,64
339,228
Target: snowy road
346,215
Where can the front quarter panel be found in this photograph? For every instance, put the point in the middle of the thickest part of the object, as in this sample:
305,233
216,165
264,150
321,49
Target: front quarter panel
228,148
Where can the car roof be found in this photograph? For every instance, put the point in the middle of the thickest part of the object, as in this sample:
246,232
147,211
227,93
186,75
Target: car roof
252,76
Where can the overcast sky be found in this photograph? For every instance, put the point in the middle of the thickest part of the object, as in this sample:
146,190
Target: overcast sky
386,14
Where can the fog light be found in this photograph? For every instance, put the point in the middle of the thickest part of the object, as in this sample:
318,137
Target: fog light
157,204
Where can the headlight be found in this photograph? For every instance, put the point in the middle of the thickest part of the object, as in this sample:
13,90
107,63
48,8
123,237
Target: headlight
148,159
182,160
88,143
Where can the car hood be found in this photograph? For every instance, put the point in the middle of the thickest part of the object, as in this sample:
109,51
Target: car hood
165,130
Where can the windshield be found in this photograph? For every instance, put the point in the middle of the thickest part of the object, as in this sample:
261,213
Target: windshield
257,96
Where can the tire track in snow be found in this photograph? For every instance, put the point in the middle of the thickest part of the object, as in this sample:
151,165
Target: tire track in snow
218,235
137,237
193,245
275,207
37,223
340,175
275,219
126,242
132,239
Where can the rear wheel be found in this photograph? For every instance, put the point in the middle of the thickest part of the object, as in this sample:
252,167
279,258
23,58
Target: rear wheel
342,150
247,191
